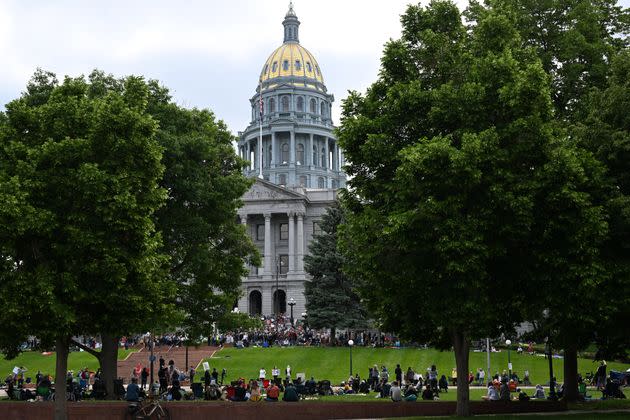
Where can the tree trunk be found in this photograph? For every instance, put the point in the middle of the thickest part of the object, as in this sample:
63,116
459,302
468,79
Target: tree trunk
62,346
570,373
109,362
461,346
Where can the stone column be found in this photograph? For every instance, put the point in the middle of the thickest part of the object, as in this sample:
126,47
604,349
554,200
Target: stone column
300,242
292,149
327,158
291,241
310,151
273,150
268,259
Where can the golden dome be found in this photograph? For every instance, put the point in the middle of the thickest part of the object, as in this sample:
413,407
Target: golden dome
291,59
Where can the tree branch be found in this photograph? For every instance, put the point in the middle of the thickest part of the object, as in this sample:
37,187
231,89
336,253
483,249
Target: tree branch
90,350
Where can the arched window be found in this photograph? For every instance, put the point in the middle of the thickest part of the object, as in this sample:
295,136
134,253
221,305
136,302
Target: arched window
323,109
323,162
320,182
279,302
285,153
255,303
266,68
300,154
269,156
282,179
317,69
334,184
309,67
272,105
298,65
274,67
314,155
303,181
300,103
285,103
313,106
285,65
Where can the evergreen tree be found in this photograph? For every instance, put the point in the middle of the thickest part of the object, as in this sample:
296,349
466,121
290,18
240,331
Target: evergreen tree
331,301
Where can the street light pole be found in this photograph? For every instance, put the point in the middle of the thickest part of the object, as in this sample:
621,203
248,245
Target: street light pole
350,344
508,343
151,358
291,304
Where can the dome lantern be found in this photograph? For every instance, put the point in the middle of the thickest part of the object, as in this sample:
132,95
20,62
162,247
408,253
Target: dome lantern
291,25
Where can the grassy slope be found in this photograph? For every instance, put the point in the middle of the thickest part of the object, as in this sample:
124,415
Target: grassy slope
333,363
35,361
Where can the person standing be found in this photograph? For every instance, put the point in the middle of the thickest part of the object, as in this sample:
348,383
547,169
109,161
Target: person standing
191,374
143,377
398,373
261,374
275,373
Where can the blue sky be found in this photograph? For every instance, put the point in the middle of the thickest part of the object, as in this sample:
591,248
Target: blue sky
208,53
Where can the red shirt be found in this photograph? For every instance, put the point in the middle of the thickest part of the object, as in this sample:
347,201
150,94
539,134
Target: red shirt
273,392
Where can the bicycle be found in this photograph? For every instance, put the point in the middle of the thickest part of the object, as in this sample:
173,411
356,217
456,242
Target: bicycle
147,409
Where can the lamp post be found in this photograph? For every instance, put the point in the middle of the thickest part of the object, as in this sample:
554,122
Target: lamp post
508,343
350,344
291,304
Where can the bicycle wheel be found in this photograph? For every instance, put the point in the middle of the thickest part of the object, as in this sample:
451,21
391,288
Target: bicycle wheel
162,413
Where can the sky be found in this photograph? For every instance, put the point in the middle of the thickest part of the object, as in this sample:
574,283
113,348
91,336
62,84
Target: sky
208,53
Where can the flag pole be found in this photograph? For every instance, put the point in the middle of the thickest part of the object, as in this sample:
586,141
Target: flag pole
260,148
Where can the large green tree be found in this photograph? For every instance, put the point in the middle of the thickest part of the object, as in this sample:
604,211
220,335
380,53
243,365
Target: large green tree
331,298
451,156
577,41
79,172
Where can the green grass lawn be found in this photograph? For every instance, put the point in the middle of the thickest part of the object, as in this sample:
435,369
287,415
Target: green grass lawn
34,361
334,362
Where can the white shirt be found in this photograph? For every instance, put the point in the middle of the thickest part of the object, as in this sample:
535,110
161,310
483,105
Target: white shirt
262,373
275,372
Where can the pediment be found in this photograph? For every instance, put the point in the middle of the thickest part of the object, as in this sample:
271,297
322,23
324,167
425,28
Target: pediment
266,191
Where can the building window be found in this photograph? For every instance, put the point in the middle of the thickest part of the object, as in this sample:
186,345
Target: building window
272,105
323,162
266,68
269,155
285,103
334,184
300,154
317,230
320,182
323,109
260,232
282,179
300,103
274,67
314,155
303,181
284,264
285,65
298,65
284,231
308,67
313,106
285,153
317,69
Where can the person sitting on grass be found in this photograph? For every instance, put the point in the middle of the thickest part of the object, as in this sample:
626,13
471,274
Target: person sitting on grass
254,391
539,394
290,393
395,392
492,395
411,393
133,391
522,395
428,394
273,392
240,392
443,384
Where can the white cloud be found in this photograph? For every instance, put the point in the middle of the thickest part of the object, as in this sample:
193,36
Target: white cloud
209,53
